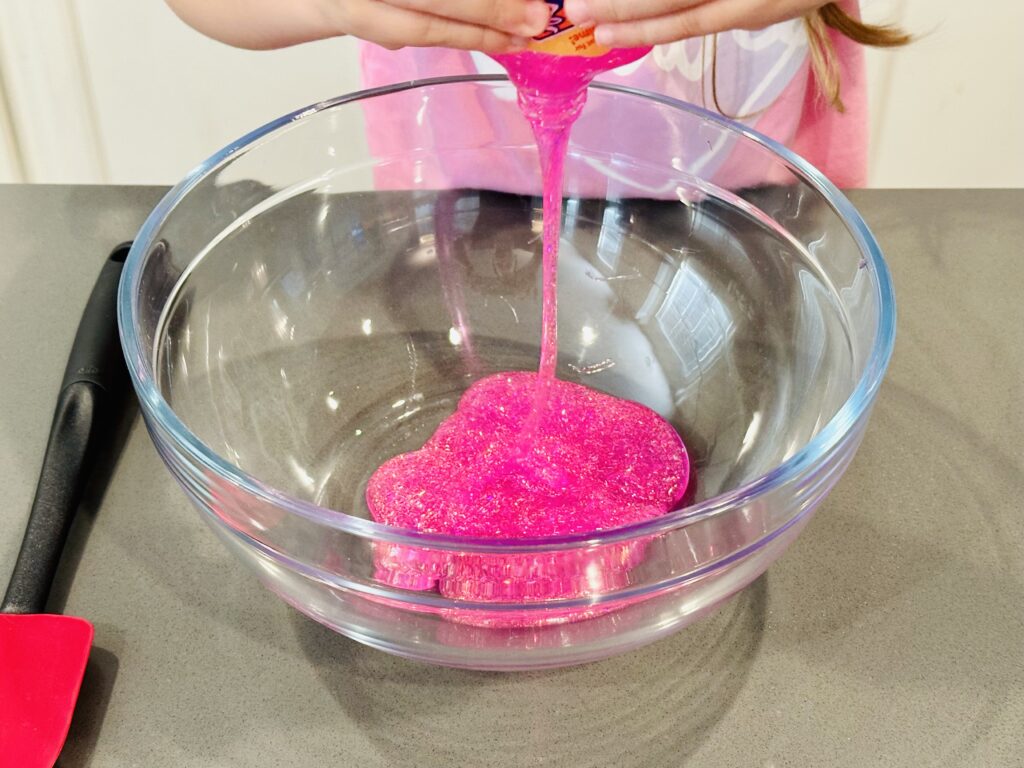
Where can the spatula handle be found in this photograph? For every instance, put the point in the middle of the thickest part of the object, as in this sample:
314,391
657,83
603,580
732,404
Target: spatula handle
94,383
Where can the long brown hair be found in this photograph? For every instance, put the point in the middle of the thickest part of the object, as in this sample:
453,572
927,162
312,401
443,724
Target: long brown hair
822,53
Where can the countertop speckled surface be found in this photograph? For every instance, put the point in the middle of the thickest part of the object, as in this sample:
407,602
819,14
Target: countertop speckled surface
890,634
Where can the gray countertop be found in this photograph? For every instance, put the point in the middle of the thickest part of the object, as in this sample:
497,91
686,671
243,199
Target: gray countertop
890,634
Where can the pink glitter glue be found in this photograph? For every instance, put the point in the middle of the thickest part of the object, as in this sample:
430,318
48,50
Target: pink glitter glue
591,462
526,455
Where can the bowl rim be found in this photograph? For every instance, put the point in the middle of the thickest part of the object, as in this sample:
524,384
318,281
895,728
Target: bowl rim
817,449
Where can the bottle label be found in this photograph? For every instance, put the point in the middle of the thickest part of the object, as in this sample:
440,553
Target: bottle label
563,38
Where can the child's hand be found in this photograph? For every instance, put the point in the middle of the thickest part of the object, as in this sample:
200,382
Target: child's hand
483,25
628,23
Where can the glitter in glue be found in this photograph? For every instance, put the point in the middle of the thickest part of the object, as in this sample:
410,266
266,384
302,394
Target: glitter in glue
526,455
590,463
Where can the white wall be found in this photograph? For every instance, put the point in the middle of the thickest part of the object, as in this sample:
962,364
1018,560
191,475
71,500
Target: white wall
121,91
948,111
10,155
183,96
47,93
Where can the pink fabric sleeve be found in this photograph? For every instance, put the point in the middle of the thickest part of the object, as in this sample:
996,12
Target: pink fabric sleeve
799,117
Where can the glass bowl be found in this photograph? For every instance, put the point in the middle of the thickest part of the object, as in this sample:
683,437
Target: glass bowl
313,299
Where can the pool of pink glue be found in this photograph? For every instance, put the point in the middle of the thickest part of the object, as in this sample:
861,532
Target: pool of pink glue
526,455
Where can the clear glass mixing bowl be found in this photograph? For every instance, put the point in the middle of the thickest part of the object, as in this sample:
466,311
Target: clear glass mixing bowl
313,299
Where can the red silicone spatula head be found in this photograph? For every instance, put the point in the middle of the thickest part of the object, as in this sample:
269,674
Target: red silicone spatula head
42,658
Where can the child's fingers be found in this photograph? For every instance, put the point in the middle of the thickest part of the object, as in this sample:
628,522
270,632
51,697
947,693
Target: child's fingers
394,27
525,18
704,19
614,11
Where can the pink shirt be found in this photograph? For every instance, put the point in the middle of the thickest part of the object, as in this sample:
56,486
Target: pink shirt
763,77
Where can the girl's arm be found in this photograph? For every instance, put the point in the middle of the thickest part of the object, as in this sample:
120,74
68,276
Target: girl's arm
483,25
624,23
